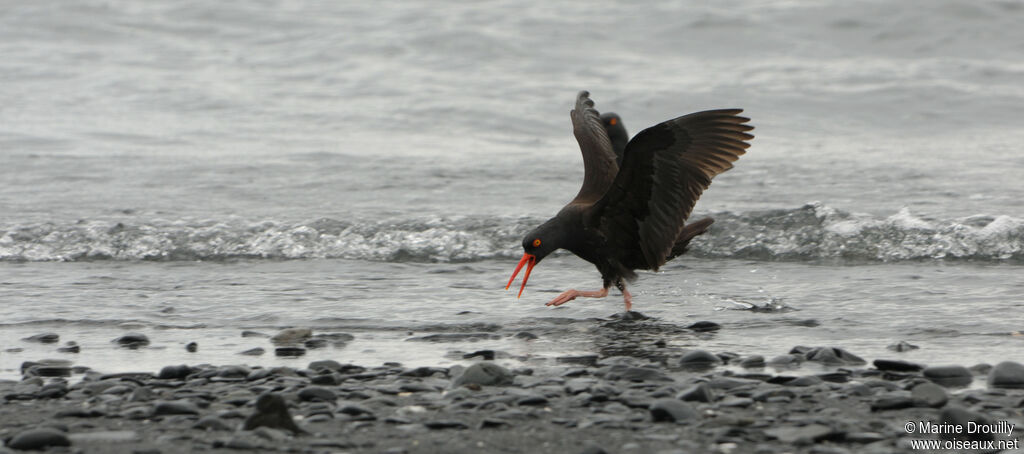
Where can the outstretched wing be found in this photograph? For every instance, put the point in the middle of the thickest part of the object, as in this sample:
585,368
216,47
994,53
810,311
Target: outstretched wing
665,169
599,167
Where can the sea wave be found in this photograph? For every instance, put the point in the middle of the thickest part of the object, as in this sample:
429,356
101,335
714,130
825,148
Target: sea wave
813,232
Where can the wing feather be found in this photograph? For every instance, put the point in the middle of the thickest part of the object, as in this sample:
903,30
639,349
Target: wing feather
599,163
665,170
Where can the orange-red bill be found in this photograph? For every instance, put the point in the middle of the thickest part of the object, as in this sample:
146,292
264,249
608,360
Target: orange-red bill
529,259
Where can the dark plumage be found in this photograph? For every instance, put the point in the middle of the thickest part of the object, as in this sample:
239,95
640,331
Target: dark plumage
631,210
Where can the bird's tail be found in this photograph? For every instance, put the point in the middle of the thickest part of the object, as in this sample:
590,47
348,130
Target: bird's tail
689,231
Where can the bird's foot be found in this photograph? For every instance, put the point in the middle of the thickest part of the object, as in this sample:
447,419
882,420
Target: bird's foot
572,294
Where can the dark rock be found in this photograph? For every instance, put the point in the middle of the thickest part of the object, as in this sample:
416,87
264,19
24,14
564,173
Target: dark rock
45,338
484,374
174,372
271,411
752,362
315,343
132,340
50,371
525,335
630,316
355,410
699,359
291,336
424,372
326,379
833,356
52,391
949,376
235,372
929,394
672,410
1007,374
532,400
806,380
70,347
960,417
317,394
890,402
289,351
445,424
799,435
38,439
897,365
248,333
325,364
491,423
902,346
191,347
700,392
253,351
704,326
80,413
486,355
175,407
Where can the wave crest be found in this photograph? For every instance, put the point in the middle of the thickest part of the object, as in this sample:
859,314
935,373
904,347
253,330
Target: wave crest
812,232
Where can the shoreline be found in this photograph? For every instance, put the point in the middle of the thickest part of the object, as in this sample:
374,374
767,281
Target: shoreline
641,398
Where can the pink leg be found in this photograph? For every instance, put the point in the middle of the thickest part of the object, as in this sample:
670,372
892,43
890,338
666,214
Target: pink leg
572,294
628,299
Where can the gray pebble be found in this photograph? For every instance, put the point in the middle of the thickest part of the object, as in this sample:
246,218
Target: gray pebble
36,439
1007,374
699,359
672,410
752,362
484,374
44,338
317,394
700,392
271,411
949,376
897,365
929,394
132,340
257,351
175,407
174,372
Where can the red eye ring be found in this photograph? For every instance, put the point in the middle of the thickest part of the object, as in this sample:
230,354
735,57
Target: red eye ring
536,243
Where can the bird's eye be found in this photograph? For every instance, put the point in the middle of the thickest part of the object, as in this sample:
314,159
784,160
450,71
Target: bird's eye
613,121
536,243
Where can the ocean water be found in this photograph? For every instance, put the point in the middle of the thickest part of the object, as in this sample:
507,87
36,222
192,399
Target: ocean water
190,170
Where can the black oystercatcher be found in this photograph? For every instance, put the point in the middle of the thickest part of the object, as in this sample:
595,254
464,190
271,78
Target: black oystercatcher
631,212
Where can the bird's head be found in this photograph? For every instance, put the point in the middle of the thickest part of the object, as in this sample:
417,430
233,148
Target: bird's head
536,245
616,131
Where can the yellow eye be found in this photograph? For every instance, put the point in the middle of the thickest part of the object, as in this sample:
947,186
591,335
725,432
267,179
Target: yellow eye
536,243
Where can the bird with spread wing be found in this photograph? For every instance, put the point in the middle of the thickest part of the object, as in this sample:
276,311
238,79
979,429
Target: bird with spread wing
630,214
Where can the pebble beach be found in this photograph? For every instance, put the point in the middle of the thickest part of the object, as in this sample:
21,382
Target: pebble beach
656,399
